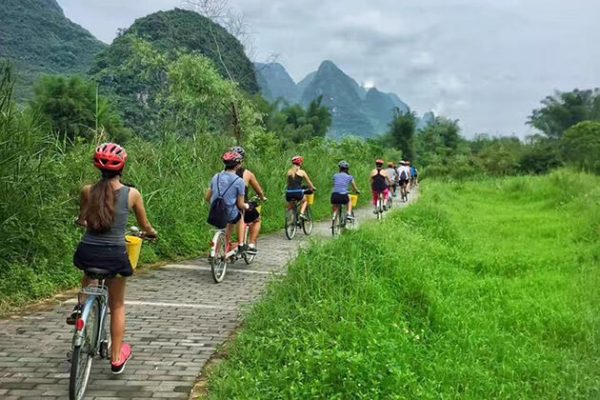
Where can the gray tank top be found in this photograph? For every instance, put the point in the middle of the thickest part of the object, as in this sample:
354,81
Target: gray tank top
116,235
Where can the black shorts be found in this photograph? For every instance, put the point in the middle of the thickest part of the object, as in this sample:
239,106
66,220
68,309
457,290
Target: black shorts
110,258
293,195
337,198
251,216
403,182
236,219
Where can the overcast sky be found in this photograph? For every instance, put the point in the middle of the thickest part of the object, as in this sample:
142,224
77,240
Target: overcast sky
485,62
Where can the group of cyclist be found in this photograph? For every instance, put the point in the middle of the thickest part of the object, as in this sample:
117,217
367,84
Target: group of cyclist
105,208
386,181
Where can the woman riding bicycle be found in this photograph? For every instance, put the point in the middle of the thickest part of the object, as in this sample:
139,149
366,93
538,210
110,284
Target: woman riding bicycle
380,183
104,211
341,181
295,192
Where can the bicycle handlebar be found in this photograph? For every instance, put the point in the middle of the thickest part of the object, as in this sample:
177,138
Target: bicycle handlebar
137,232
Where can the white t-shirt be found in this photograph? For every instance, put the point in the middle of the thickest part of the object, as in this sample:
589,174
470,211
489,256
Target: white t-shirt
406,170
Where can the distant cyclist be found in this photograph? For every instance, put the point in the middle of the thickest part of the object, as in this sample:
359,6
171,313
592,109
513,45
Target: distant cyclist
252,215
230,187
295,191
104,211
414,176
380,182
341,181
403,176
393,175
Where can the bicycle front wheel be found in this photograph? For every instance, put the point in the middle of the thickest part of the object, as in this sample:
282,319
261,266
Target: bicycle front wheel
291,225
83,353
218,263
307,224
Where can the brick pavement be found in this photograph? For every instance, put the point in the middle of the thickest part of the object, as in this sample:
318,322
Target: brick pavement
177,317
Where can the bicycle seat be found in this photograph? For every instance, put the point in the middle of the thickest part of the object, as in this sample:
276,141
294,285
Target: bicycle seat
99,273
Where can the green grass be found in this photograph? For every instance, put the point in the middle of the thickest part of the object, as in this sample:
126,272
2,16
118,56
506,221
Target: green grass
481,290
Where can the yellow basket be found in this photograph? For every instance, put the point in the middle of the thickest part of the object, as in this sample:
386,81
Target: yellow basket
354,199
310,199
134,247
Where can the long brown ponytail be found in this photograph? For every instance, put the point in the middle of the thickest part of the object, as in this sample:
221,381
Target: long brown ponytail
100,210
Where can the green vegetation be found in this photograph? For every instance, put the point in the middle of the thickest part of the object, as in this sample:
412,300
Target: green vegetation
42,173
570,135
37,38
68,106
293,123
481,290
128,72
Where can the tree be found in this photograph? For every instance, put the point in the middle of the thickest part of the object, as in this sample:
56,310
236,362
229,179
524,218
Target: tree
581,146
565,109
402,133
319,117
440,139
72,108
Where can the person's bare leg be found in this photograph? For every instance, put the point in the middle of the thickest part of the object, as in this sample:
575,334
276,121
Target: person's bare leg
255,231
116,302
303,206
240,231
228,233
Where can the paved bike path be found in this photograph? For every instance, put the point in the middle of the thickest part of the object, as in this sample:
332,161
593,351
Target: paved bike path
176,318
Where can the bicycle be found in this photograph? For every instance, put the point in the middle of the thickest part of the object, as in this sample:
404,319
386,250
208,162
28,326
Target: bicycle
390,202
91,337
340,220
403,193
379,206
219,257
293,220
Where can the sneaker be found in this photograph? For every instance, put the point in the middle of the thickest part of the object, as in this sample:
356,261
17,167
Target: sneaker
119,367
75,315
302,217
252,249
241,248
349,217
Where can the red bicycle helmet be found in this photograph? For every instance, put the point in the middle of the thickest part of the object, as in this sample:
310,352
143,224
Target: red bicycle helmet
231,157
110,157
379,161
297,160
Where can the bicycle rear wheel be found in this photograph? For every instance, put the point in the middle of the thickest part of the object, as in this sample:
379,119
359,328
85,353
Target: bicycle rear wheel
83,354
218,263
380,208
291,223
307,224
336,224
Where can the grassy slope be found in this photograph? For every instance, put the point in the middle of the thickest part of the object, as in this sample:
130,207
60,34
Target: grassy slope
482,290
